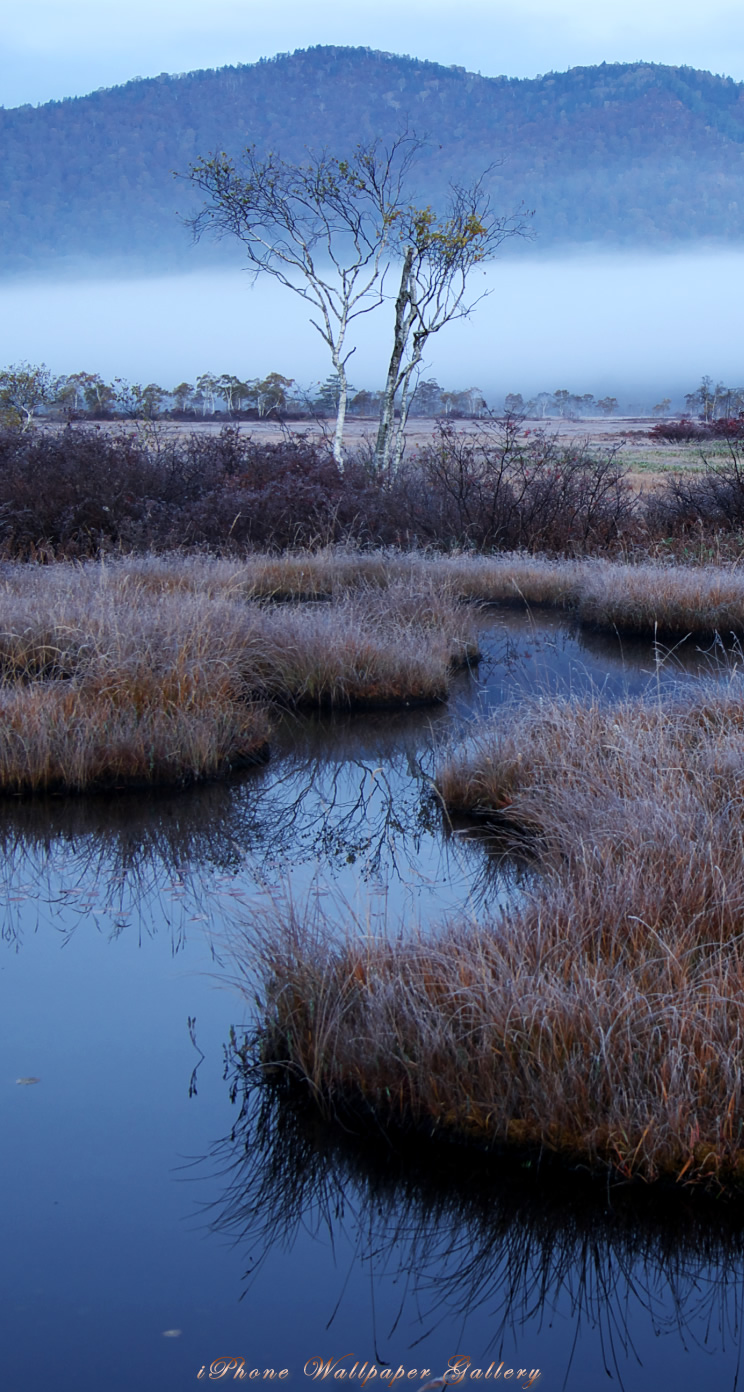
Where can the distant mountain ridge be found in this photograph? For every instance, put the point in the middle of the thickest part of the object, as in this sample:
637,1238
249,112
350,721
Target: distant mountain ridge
616,154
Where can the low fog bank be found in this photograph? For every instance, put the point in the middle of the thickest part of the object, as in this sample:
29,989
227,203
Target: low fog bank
637,326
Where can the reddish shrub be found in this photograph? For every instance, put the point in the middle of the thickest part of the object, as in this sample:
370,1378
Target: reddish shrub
674,431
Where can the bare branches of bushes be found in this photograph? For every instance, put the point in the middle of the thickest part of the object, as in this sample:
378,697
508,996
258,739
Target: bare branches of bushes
85,490
496,492
708,503
82,490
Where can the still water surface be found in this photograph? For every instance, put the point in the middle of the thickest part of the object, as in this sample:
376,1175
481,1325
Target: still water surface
150,1228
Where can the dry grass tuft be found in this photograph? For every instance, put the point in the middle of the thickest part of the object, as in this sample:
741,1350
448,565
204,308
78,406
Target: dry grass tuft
139,649
665,598
672,599
156,671
62,737
103,686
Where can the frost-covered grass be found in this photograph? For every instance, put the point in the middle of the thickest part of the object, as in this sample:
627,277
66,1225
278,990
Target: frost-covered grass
153,671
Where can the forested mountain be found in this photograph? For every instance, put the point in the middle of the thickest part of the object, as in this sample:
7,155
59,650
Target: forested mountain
619,154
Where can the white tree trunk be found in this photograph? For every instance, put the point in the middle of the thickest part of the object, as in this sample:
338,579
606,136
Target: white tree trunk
399,444
338,435
385,432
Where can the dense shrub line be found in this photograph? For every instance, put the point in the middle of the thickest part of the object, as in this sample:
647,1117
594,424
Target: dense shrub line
687,428
82,490
86,490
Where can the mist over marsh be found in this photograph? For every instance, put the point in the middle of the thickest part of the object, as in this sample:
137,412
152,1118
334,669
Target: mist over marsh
637,324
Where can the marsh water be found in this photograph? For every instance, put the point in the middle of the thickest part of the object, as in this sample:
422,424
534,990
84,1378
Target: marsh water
158,1217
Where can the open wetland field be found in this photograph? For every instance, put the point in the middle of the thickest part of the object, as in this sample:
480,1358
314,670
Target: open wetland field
372,968
643,454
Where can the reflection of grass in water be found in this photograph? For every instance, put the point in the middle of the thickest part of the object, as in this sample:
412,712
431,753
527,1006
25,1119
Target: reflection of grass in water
125,856
476,1235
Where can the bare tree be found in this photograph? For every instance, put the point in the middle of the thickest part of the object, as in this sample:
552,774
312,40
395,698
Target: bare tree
437,255
23,389
322,229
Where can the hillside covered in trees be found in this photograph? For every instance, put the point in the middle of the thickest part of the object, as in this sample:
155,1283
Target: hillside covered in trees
619,154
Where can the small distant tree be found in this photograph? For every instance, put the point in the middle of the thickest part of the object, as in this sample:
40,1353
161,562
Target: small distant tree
327,395
464,403
231,390
70,394
182,395
608,405
731,401
568,404
366,403
23,389
271,393
427,399
715,402
705,400
662,408
100,396
513,404
476,402
138,402
206,393
85,392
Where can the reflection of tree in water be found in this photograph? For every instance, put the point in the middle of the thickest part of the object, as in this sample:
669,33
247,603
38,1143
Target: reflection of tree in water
346,796
511,1240
342,795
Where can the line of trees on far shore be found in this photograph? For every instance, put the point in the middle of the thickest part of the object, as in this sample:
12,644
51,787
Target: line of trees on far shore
29,391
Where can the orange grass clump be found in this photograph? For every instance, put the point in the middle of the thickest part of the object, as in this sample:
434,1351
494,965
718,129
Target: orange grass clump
105,689
60,736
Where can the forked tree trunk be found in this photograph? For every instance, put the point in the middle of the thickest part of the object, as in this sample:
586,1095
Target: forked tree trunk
398,442
386,429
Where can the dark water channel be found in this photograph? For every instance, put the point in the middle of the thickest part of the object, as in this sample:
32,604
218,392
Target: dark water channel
142,1241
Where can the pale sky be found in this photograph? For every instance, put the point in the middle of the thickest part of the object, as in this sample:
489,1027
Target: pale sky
57,48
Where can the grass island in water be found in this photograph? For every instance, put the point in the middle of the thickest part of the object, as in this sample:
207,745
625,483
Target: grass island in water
603,1015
